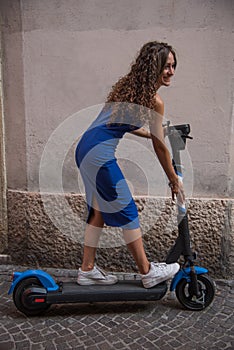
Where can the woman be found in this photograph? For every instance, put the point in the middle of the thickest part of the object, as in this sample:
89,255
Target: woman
133,101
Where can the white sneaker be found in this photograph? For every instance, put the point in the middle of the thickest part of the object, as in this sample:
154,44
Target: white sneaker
95,276
158,273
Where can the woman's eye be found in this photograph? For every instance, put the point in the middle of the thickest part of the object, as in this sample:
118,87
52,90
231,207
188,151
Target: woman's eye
168,67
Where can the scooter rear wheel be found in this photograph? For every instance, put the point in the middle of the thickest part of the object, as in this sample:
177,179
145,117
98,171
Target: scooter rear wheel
21,297
188,300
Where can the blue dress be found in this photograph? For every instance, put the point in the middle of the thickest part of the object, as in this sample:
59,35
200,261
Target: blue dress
102,177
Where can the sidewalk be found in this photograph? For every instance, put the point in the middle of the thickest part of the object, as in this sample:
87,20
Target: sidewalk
163,325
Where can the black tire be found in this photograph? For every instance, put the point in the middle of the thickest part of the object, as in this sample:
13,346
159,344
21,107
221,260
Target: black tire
19,294
206,287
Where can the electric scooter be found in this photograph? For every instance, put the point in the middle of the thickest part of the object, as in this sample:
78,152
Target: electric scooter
34,291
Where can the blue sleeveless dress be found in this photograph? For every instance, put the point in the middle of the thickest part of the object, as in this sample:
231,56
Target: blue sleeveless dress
102,177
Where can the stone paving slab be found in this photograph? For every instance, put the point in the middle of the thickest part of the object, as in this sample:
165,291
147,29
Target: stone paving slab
163,325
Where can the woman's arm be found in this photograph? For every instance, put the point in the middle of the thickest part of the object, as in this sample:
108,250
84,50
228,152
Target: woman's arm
142,132
161,150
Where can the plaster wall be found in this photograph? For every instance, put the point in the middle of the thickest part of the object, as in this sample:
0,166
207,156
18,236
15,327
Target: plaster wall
63,56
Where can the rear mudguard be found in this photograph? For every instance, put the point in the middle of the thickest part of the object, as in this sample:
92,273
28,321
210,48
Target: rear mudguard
46,280
185,274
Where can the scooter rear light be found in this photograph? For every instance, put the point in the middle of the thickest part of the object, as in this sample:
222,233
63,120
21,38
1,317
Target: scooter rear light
39,300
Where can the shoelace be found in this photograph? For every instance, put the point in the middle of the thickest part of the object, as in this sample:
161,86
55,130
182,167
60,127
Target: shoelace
161,266
101,271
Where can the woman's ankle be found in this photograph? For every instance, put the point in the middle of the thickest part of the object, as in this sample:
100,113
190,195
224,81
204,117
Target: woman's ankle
87,267
144,269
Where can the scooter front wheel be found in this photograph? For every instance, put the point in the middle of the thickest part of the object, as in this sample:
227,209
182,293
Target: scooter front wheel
23,297
206,289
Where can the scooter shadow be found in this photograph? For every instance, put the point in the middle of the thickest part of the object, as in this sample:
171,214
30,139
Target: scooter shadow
118,308
96,308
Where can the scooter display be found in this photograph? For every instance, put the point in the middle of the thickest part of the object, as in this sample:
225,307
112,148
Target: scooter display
34,291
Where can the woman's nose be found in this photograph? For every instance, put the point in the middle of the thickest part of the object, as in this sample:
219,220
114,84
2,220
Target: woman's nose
171,70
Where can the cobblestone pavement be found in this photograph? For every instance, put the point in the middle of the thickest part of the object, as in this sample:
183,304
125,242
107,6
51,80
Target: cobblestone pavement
134,325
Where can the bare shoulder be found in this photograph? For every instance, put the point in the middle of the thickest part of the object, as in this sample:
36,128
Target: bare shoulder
159,105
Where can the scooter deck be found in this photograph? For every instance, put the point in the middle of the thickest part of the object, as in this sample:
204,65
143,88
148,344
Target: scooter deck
71,292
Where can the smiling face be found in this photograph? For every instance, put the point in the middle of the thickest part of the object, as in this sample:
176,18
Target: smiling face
168,71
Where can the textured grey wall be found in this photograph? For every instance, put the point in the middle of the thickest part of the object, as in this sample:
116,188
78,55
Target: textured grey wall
57,239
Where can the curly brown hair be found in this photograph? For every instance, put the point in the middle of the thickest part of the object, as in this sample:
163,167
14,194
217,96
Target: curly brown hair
139,86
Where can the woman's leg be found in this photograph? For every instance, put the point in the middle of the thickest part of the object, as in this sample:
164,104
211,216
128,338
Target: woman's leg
133,239
87,274
153,273
93,231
